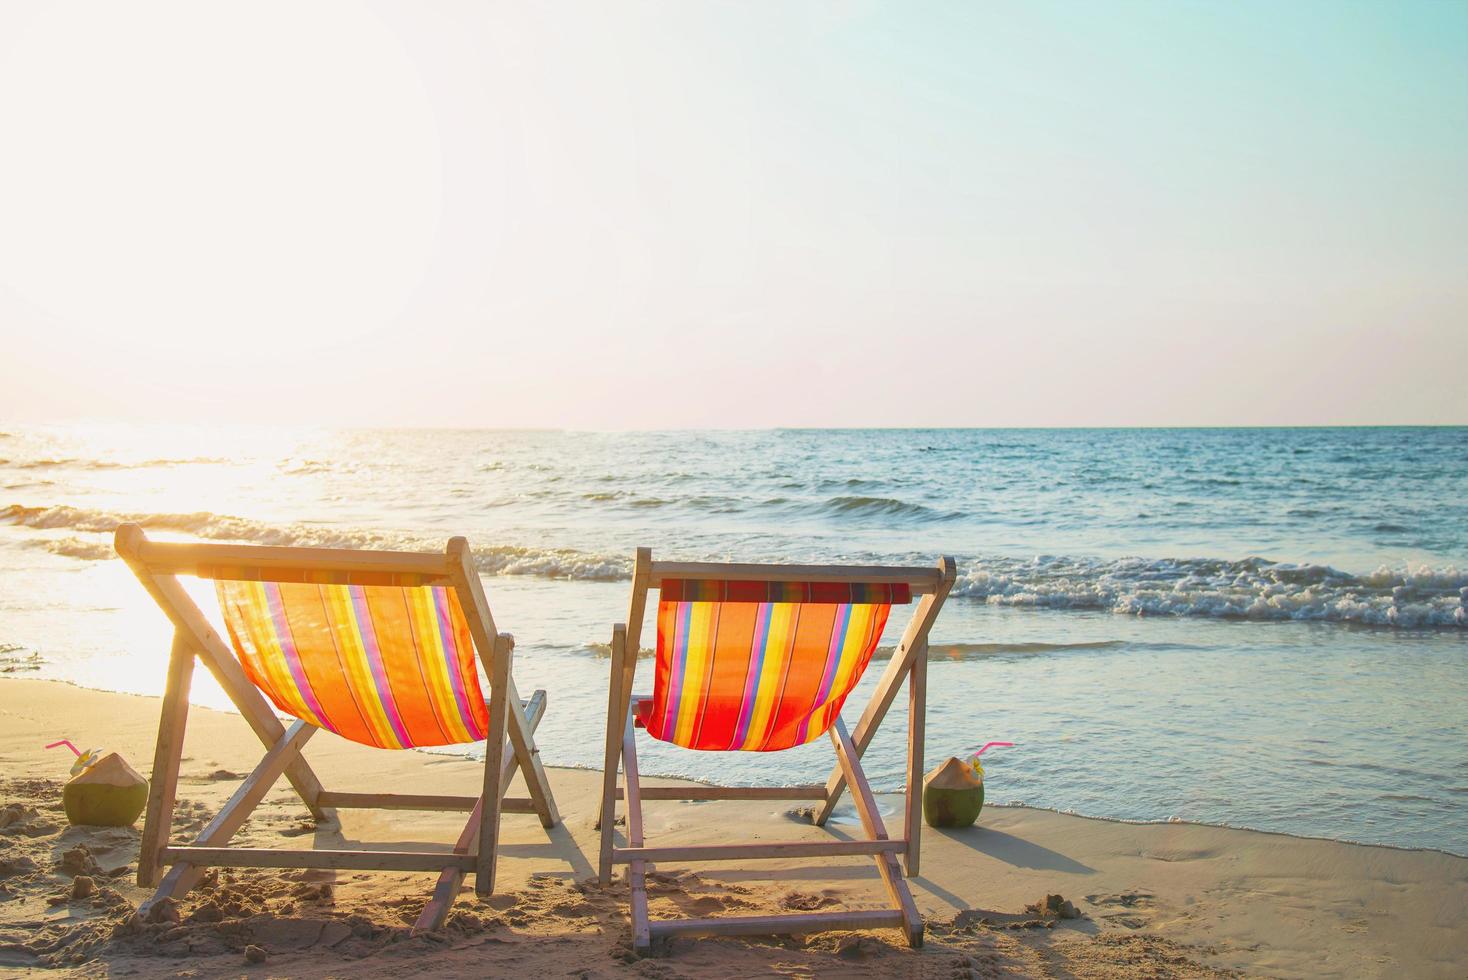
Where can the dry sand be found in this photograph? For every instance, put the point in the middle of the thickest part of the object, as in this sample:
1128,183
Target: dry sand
1175,900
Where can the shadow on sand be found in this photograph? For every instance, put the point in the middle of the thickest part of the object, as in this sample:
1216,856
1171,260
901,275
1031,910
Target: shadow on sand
1014,850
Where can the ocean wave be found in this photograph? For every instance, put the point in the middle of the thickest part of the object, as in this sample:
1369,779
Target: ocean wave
887,507
980,651
305,467
1409,597
16,659
93,549
107,464
603,651
46,464
494,560
939,651
841,508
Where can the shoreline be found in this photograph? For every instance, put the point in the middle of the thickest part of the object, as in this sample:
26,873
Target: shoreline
988,805
1178,899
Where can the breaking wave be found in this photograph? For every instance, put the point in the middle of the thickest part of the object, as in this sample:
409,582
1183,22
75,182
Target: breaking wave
1410,597
107,464
603,651
497,560
980,651
840,508
71,547
15,659
880,507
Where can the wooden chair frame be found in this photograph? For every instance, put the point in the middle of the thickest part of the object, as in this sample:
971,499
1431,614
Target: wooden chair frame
158,565
909,662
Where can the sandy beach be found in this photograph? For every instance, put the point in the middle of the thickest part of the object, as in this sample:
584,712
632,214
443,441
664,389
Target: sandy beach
1172,900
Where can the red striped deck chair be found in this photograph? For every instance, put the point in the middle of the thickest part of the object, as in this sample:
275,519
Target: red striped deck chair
378,647
760,658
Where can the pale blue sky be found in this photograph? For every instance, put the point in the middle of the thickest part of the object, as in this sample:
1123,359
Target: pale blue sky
697,214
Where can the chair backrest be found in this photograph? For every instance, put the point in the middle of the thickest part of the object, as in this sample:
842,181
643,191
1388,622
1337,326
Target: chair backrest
373,646
761,665
382,664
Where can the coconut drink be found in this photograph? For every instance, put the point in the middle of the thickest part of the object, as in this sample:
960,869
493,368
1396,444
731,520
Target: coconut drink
104,790
953,794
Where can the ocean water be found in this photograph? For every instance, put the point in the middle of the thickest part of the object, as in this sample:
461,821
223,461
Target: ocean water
1256,627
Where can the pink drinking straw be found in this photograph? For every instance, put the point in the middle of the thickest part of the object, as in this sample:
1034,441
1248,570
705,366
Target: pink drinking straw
76,752
993,745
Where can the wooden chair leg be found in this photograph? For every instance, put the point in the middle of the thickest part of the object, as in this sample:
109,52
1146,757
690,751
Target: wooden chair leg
616,720
636,870
242,692
917,700
181,877
167,755
181,609
522,739
446,889
903,915
619,693
871,820
486,639
914,643
489,824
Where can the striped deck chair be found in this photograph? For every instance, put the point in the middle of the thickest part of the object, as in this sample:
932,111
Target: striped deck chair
760,658
374,646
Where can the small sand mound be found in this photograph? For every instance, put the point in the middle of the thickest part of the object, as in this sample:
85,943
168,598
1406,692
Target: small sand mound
1053,907
805,901
78,860
20,820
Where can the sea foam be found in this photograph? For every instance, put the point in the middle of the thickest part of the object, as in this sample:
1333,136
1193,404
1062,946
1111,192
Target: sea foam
491,560
1251,588
1409,596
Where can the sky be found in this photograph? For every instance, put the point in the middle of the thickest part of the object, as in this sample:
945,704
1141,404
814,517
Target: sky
730,215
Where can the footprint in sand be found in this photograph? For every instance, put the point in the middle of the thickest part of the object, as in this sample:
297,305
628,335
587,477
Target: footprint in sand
299,830
806,901
1133,909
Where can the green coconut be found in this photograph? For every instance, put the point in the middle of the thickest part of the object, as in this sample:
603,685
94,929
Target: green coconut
953,795
108,794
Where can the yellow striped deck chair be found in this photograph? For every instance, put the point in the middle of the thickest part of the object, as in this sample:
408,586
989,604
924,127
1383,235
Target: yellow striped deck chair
377,647
761,658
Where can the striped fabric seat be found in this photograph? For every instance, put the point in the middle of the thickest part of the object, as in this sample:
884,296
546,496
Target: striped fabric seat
390,665
760,666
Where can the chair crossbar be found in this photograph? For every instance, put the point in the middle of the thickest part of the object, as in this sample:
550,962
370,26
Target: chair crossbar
778,925
395,801
920,579
706,793
771,850
265,857
178,558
